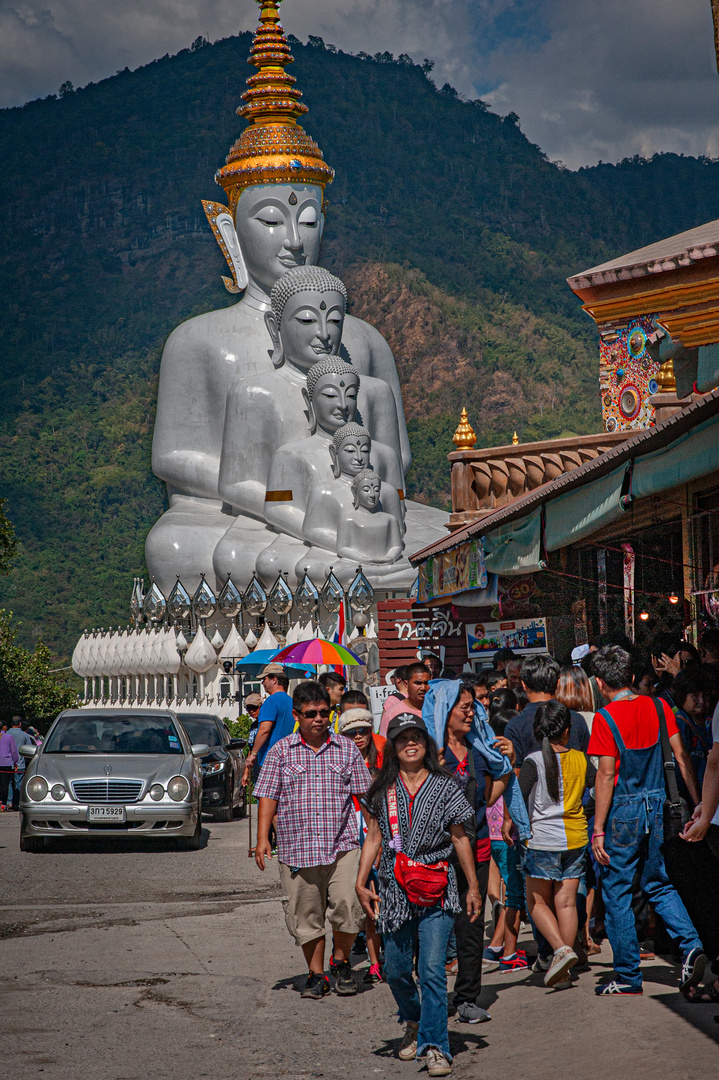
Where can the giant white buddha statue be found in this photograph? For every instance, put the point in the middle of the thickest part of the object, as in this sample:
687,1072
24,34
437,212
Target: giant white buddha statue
274,179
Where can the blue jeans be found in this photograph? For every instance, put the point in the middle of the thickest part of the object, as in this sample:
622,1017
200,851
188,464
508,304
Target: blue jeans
13,795
507,860
635,833
429,933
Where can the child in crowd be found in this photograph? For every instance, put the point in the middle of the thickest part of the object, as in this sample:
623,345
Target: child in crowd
553,781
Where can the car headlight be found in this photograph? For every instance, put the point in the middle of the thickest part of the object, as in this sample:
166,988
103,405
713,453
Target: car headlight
213,767
58,792
157,791
36,789
178,789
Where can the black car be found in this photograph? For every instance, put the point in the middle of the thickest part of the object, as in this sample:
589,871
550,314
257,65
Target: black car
222,793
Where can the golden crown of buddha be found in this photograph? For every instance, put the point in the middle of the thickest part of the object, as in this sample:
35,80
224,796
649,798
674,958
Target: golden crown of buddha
273,148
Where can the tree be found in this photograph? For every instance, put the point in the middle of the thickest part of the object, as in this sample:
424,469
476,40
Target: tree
8,543
28,685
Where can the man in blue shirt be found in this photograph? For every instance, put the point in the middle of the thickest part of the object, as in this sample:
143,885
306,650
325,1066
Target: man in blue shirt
275,718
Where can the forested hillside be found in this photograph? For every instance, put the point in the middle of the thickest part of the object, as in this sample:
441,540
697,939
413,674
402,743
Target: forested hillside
452,231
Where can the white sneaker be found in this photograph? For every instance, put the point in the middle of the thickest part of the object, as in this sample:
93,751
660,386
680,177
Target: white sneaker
408,1046
437,1064
563,959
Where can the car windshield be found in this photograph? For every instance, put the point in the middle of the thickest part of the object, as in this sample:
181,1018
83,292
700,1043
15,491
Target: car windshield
201,731
113,735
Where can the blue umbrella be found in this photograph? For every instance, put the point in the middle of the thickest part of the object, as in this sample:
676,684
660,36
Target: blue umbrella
254,662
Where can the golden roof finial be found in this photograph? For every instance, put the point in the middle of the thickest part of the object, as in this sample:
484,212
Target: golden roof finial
515,439
273,148
464,438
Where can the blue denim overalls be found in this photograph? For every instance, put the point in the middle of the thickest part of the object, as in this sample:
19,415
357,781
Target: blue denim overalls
633,842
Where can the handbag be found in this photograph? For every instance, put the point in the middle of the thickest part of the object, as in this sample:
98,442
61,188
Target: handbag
424,883
676,812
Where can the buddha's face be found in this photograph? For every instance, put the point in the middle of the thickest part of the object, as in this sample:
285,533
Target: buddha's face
353,454
279,226
334,401
368,491
311,327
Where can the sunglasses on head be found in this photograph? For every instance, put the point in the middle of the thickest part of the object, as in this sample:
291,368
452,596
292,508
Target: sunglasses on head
310,714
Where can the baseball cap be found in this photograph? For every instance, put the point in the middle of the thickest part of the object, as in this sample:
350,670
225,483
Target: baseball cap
253,699
272,669
354,719
403,722
579,653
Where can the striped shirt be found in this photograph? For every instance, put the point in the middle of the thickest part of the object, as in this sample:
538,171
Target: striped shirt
423,819
561,825
315,814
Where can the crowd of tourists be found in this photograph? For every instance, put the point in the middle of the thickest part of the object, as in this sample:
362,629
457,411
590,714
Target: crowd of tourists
581,800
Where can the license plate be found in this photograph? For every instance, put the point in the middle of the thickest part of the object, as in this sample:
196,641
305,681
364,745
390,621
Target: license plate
106,813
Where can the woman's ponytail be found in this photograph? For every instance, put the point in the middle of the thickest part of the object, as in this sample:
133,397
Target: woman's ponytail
552,719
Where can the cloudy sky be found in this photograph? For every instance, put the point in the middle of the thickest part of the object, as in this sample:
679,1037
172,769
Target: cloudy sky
590,79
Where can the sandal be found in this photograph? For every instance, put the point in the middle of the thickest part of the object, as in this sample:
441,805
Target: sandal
702,995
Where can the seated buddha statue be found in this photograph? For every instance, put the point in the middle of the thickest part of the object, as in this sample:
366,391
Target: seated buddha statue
268,410
274,180
368,532
330,395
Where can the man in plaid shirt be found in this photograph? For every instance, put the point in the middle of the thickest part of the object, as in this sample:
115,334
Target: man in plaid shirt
308,780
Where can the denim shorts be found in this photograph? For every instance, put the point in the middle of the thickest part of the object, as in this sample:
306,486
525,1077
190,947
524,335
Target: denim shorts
554,865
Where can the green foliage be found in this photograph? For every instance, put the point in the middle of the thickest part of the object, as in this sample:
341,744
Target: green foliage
8,543
106,249
240,727
28,686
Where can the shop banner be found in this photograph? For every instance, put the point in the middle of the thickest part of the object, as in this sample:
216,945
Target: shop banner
523,636
452,572
629,562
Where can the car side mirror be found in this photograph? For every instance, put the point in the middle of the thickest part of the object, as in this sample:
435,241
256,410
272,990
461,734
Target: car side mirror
199,749
237,744
27,751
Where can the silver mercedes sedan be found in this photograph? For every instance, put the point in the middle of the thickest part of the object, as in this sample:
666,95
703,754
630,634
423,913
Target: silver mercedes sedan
113,772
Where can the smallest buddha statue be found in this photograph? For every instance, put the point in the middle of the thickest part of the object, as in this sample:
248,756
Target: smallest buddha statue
368,530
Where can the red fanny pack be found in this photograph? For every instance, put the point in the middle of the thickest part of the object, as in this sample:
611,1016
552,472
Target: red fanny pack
424,883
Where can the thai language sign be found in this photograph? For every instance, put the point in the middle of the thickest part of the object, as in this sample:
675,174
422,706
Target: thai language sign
523,636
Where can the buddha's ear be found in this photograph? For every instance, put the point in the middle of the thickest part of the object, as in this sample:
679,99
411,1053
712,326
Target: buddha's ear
278,353
309,410
321,224
226,228
336,471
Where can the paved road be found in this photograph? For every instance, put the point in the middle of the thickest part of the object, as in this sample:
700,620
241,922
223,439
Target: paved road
127,963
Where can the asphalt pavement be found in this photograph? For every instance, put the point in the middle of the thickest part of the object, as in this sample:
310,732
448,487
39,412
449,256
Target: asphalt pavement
123,961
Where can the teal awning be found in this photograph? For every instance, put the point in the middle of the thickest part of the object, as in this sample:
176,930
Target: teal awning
689,457
571,517
515,548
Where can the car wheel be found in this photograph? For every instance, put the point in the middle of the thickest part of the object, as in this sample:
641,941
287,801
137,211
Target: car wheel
34,844
191,843
241,810
222,815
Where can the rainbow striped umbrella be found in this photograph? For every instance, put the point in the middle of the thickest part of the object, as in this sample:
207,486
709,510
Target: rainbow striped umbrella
317,651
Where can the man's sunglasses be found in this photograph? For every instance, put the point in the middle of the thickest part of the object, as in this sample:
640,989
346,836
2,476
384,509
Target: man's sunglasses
310,714
253,708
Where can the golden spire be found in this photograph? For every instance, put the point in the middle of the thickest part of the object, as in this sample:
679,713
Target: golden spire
515,439
464,438
273,148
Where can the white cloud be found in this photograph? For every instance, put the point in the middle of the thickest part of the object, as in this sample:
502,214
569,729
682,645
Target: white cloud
598,79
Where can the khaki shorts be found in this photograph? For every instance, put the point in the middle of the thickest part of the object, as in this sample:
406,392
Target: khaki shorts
318,893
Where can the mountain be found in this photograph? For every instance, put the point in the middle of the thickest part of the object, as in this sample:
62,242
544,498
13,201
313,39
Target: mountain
453,232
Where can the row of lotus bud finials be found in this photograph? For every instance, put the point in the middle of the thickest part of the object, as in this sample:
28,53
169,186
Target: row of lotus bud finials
179,607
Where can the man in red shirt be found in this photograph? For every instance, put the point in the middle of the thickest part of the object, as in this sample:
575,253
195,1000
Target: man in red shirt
628,823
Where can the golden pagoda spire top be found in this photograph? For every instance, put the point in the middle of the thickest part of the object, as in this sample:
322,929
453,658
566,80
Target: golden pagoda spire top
515,439
464,437
273,148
